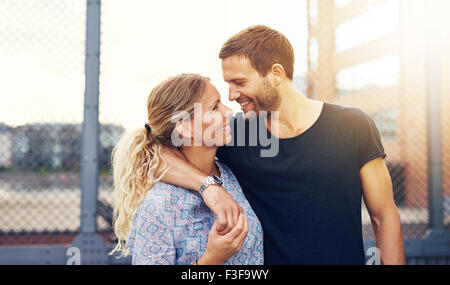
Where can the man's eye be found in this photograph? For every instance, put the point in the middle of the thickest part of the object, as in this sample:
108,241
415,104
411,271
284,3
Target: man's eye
240,83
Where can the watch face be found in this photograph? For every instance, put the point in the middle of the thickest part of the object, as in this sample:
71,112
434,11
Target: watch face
217,179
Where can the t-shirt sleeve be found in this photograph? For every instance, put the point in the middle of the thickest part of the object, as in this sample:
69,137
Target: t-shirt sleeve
370,146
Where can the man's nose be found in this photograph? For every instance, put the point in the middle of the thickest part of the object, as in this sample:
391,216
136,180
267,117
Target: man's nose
233,94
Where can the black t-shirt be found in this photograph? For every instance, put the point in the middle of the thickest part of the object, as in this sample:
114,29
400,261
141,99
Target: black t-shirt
308,196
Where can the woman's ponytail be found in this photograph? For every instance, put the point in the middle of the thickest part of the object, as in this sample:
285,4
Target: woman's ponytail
135,159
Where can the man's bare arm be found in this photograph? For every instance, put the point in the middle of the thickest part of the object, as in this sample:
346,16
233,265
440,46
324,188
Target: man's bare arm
379,199
181,172
184,174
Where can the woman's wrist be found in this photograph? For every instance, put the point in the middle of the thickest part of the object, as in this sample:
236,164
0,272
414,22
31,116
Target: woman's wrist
209,259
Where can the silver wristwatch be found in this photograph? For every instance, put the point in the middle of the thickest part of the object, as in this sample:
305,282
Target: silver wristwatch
210,180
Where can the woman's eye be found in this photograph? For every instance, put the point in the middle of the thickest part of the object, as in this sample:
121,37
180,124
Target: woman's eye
215,107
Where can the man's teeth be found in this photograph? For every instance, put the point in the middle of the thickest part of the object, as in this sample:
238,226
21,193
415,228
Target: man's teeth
226,127
244,103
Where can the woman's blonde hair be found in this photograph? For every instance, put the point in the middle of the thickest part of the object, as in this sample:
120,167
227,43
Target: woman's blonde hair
137,155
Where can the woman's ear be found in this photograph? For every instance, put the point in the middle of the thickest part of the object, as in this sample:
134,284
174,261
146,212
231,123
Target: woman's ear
184,128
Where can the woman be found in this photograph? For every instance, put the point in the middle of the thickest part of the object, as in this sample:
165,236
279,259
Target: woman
160,223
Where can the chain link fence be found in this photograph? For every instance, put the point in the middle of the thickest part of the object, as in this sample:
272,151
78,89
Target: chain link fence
42,55
372,55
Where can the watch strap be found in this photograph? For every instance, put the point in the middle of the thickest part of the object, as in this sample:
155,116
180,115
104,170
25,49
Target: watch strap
208,182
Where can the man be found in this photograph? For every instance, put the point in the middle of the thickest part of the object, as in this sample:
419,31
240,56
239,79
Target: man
307,196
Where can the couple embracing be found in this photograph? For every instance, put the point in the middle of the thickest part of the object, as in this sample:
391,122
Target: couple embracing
196,185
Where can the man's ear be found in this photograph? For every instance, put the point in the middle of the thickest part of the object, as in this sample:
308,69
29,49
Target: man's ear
184,128
278,73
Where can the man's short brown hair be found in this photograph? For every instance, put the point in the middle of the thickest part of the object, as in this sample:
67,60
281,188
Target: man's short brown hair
263,46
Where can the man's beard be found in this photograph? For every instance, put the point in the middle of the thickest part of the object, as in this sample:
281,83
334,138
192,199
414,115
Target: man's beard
267,97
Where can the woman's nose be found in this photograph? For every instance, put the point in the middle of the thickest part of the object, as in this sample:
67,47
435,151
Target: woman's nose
228,113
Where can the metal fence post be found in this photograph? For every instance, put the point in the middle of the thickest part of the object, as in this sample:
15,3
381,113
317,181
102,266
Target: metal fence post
91,245
437,236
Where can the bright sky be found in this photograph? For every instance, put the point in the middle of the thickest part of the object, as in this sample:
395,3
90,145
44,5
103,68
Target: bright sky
142,43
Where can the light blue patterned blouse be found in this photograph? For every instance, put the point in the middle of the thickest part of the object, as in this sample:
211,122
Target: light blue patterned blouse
172,224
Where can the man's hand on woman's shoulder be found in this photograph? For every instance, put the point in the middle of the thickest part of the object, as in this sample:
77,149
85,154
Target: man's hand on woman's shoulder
184,174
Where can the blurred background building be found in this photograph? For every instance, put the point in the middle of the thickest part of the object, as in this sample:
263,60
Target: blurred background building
76,75
373,55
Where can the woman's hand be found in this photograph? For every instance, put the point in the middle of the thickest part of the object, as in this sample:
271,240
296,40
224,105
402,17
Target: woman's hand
222,247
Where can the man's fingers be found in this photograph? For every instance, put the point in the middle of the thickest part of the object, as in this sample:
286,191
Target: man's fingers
236,231
221,221
230,220
214,228
226,230
232,217
230,223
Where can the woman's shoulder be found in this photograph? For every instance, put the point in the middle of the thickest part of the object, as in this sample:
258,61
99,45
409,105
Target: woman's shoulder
165,196
161,189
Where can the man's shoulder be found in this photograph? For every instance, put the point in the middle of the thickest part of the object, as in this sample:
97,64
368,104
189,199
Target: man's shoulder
342,119
344,112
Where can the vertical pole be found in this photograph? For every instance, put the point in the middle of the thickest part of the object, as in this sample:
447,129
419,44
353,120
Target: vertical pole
90,138
92,247
433,57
